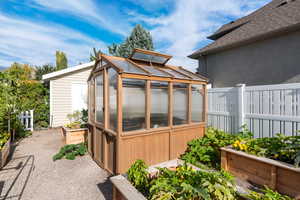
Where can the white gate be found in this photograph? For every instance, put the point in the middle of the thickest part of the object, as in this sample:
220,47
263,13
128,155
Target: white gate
266,110
27,119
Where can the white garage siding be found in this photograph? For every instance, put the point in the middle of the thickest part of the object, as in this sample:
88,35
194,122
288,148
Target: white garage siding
61,95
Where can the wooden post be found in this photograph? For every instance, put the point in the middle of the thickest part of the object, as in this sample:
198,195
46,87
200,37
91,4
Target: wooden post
224,160
148,103
170,111
106,97
170,104
106,119
120,123
273,181
189,117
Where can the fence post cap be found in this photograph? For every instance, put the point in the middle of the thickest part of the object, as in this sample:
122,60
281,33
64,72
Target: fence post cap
240,85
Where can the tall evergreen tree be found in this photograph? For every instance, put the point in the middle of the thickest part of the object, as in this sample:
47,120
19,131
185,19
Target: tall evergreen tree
139,38
61,60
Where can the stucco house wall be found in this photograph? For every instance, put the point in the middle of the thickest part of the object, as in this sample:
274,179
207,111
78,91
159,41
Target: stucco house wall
272,61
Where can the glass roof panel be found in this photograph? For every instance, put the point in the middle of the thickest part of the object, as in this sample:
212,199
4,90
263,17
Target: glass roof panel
175,74
149,58
155,72
127,66
191,74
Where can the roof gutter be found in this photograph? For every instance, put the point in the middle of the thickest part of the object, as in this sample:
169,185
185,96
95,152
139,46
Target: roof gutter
68,70
250,40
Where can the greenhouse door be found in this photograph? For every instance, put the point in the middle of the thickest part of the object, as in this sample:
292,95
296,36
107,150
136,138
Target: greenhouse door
110,153
98,147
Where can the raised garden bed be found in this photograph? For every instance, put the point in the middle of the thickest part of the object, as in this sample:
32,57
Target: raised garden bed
123,189
74,136
4,153
277,175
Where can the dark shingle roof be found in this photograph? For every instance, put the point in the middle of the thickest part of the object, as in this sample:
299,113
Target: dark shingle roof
272,19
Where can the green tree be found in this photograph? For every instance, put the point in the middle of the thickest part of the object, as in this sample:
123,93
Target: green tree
61,60
42,70
95,54
139,38
20,92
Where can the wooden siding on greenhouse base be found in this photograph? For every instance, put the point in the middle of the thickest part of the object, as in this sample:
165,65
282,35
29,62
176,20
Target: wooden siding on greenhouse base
116,150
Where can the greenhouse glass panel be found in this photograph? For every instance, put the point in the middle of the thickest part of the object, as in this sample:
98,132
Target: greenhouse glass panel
127,66
99,98
149,57
190,74
180,103
156,72
113,88
197,103
159,104
134,104
175,74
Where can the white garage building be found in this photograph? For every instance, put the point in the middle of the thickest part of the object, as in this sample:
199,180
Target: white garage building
68,92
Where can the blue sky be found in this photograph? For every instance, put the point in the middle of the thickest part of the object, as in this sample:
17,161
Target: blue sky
32,30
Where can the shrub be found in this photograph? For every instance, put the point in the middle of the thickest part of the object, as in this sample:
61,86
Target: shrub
4,137
205,151
70,151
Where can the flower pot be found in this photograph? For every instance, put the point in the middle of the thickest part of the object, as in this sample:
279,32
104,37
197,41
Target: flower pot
74,136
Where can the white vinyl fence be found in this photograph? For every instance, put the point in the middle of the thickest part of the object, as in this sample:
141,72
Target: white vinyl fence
266,110
27,119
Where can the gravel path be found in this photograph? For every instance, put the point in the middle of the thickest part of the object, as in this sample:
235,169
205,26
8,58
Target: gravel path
32,175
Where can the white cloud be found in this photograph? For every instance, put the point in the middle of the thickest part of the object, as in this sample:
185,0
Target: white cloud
191,22
99,14
35,43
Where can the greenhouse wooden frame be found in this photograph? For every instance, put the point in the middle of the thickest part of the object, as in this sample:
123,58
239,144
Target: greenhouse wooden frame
115,150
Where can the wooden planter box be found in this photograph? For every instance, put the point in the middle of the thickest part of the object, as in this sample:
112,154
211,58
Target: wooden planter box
283,177
4,153
74,136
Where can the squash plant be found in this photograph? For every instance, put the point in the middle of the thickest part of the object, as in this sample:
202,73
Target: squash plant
182,183
139,177
267,194
205,152
70,151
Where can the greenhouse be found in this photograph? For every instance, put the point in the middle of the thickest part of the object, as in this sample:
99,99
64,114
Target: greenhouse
142,108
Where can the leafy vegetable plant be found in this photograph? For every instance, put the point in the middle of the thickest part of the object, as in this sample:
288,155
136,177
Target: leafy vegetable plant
267,194
282,148
71,151
182,183
139,177
205,151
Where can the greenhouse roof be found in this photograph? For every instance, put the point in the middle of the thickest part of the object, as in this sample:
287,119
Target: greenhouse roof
149,63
